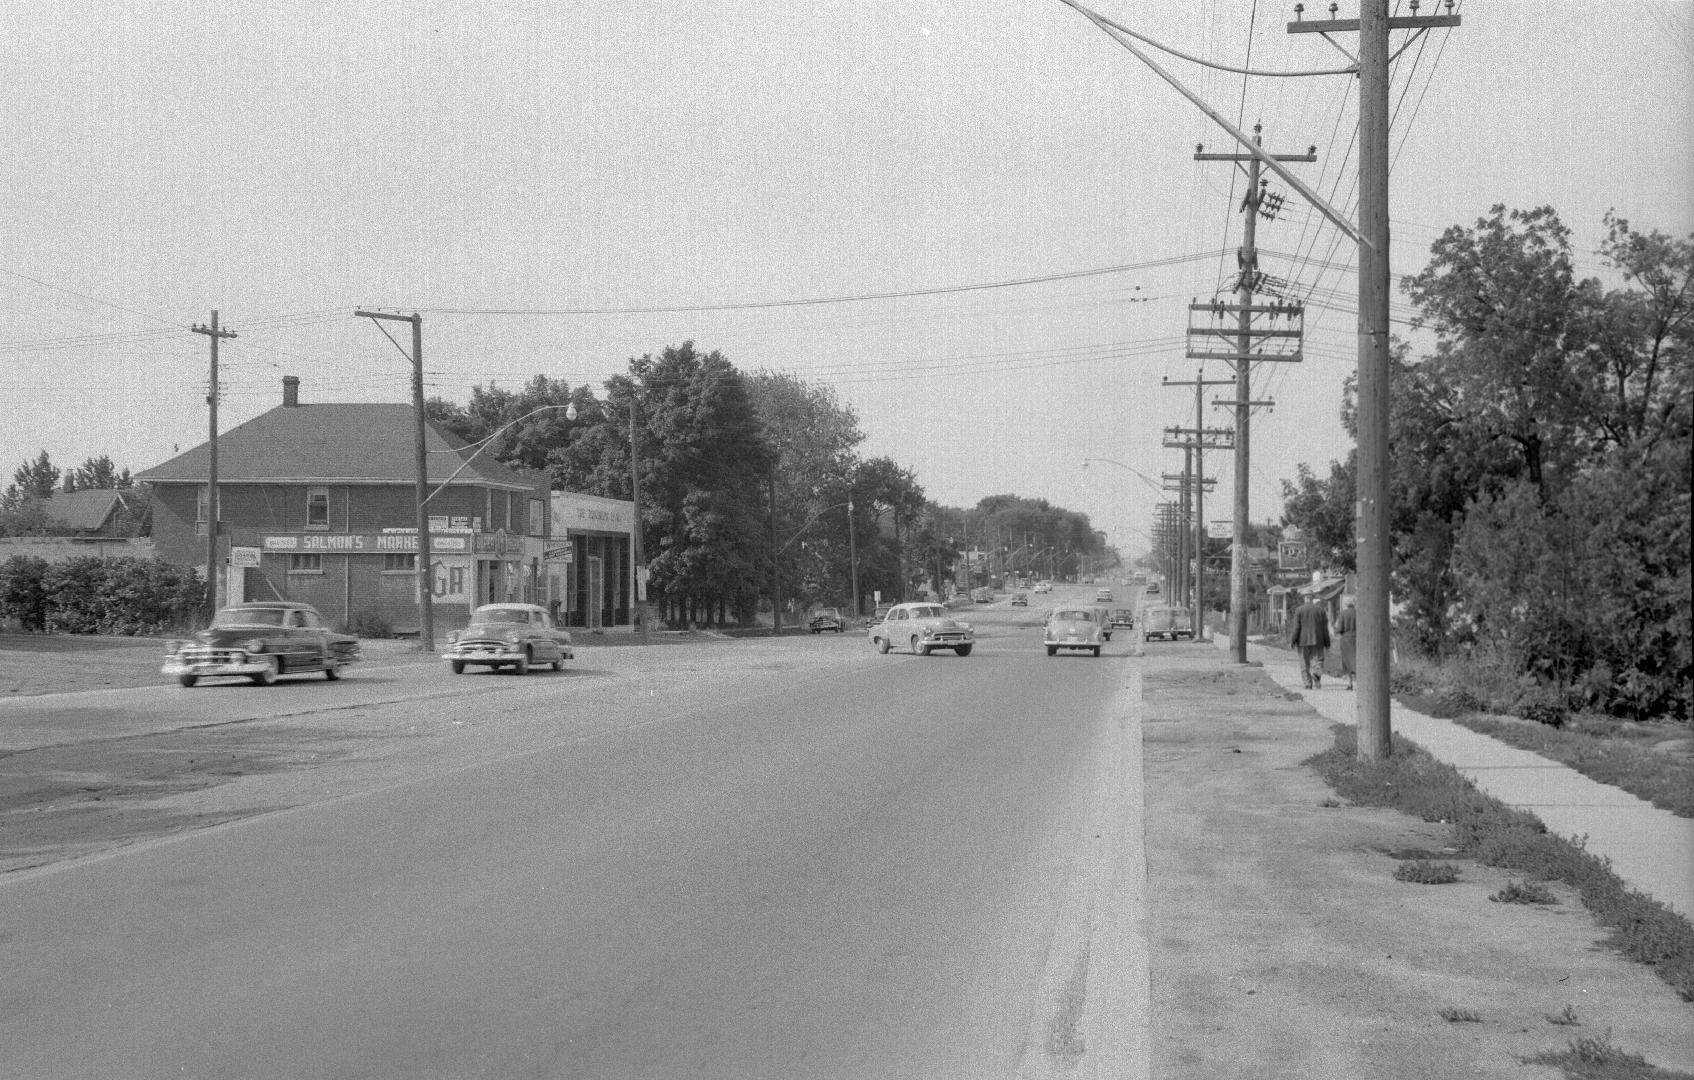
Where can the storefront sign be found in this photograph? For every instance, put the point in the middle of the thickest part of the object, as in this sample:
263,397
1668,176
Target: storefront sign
359,543
590,513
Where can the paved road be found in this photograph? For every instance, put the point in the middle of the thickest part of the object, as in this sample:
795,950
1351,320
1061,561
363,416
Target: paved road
787,859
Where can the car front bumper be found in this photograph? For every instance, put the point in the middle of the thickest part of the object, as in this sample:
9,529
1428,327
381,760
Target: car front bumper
214,662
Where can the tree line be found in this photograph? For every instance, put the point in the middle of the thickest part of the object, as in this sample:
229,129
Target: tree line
753,488
1541,487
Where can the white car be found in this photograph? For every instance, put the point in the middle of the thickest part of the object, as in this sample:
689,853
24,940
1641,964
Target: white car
1073,628
512,636
922,628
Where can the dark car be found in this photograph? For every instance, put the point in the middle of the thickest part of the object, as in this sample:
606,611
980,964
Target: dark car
1122,617
513,636
262,641
1020,599
826,619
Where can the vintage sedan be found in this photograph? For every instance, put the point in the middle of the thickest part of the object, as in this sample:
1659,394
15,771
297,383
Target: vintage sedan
1073,628
922,628
1122,616
1020,599
826,619
514,636
1166,622
261,641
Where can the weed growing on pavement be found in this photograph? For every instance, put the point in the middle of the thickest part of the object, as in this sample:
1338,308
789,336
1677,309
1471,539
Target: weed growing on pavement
1422,872
1461,1016
1413,782
1564,1019
1527,892
1595,1058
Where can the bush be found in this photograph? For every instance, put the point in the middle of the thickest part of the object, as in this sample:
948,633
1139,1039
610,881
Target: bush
370,624
1544,705
123,595
22,594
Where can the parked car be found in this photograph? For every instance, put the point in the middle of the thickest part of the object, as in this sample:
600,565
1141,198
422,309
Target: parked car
1166,622
1151,588
262,641
1020,599
1122,617
512,636
922,627
826,619
1044,586
983,596
1073,628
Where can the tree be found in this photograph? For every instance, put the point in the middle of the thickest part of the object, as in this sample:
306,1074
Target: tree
37,479
534,419
98,474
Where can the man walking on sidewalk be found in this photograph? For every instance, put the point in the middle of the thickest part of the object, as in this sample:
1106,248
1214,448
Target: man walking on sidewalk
1308,633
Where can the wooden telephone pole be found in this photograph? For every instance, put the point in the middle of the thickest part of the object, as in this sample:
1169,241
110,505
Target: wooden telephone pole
216,335
1199,383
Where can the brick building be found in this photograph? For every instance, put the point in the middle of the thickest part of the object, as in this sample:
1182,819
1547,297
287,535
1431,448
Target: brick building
318,502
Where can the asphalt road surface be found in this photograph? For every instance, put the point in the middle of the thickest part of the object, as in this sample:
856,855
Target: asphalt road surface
759,859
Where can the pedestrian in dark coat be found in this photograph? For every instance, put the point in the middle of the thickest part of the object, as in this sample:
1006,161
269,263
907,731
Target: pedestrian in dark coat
1308,633
1347,638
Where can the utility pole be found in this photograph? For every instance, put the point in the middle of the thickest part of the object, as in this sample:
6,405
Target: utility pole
1371,531
426,585
1258,201
1199,383
216,335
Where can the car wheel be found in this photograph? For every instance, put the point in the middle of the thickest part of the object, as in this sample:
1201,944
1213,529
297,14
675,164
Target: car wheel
1052,650
188,680
1096,650
522,665
559,662
963,650
332,672
919,650
273,667
881,644
838,629
457,666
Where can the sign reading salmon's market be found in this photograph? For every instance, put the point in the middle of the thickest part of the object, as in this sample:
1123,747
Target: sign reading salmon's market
359,543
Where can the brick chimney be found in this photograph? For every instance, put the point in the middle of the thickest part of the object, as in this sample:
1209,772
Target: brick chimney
290,391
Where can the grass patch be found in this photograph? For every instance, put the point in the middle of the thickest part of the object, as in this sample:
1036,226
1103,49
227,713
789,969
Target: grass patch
1422,872
1597,1059
1610,752
1528,892
1564,1019
1413,782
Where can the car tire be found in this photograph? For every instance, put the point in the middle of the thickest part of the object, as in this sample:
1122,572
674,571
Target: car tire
521,667
332,672
188,680
881,644
1096,650
559,662
963,650
267,677
919,650
457,666
838,629
1052,650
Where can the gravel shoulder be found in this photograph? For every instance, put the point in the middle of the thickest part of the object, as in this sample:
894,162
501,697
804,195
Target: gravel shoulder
1279,936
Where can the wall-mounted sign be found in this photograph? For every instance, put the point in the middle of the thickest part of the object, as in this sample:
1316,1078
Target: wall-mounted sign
242,557
360,543
1220,530
1291,555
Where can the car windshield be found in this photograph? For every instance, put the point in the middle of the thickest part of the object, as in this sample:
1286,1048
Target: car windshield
1074,616
248,617
928,612
501,614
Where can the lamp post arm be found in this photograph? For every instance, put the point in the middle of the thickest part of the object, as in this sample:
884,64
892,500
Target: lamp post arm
483,445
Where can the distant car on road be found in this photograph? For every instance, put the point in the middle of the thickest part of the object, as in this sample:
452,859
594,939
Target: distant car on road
826,619
1166,622
1122,617
261,641
1020,599
513,636
922,628
983,596
1044,586
1151,589
1073,628
1102,596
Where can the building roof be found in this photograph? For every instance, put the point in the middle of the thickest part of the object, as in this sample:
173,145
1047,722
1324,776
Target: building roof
84,511
335,444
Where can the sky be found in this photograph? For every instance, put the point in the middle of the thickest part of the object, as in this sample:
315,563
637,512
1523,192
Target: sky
980,222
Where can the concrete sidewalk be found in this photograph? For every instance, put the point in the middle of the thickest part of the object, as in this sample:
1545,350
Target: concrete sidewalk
1650,849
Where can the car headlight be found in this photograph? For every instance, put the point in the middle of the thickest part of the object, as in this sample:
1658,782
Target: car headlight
257,645
453,637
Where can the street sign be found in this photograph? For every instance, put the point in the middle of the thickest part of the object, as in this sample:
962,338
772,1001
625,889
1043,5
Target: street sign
561,554
1220,530
1291,555
243,556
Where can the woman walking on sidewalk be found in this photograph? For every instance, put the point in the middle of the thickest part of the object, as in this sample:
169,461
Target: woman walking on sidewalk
1346,637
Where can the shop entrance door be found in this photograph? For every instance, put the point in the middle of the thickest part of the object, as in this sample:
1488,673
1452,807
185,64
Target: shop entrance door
596,593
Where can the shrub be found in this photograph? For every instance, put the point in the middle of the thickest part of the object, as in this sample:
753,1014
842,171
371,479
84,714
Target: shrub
1544,705
1529,892
22,594
123,595
370,624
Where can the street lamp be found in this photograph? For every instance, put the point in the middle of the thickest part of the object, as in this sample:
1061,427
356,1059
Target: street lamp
1145,479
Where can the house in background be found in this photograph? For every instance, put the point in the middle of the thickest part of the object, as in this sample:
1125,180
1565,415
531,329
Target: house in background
318,503
104,513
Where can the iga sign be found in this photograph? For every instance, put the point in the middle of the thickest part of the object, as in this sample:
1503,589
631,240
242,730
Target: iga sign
1291,555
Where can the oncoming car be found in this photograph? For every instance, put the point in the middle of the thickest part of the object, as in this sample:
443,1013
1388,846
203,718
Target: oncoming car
1073,628
261,641
513,636
922,628
826,619
1122,617
1020,599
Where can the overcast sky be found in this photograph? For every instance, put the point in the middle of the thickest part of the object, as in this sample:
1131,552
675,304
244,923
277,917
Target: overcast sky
540,179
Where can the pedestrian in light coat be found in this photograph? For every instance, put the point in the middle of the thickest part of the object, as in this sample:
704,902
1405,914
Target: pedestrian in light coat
1308,633
1347,637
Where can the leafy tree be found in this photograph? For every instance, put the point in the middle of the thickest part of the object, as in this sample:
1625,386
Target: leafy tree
33,480
536,415
98,474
